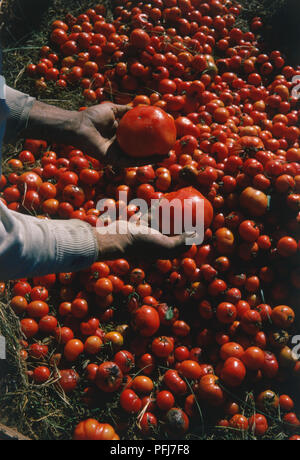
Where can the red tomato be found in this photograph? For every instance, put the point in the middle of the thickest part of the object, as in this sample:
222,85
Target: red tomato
253,358
145,131
41,374
130,401
92,430
186,205
258,424
146,321
68,380
233,372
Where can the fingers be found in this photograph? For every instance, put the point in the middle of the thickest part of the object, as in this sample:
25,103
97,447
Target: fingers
163,246
177,243
120,110
117,156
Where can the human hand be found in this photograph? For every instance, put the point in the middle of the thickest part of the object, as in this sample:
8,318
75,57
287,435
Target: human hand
122,238
96,135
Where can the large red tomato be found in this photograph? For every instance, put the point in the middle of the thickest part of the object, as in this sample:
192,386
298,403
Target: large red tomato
185,205
145,131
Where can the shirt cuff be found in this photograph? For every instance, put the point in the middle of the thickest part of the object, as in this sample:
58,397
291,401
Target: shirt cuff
19,105
76,245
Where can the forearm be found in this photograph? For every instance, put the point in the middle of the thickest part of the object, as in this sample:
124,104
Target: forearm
31,118
52,123
30,246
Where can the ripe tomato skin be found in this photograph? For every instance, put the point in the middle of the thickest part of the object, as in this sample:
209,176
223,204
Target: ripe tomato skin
255,201
283,316
190,369
270,367
165,400
39,293
21,288
226,313
139,38
93,345
267,400
38,351
91,371
146,321
91,430
286,403
239,422
167,314
188,201
130,401
147,363
251,322
146,131
68,380
79,308
41,374
291,420
73,349
48,324
233,372
162,347
29,327
174,382
19,304
63,335
181,353
231,349
253,358
258,424
210,391
142,384
125,360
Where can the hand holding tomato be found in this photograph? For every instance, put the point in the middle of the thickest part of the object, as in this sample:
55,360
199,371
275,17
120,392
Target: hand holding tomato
122,237
97,132
93,130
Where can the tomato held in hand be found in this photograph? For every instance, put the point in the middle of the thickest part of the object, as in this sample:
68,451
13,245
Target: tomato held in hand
145,131
185,208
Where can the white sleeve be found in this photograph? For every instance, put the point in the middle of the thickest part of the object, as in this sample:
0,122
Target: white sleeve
19,105
30,246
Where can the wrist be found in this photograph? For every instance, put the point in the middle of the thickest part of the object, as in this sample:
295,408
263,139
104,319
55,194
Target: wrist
52,123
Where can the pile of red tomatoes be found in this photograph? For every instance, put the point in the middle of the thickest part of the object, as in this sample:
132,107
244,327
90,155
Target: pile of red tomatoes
207,339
